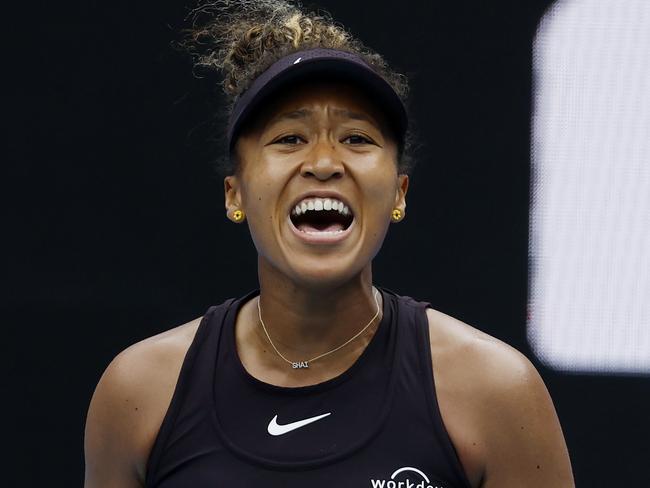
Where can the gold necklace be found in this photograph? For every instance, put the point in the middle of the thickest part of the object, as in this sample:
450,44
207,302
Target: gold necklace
305,364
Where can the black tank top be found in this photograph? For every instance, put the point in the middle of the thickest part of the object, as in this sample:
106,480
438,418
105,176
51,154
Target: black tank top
376,425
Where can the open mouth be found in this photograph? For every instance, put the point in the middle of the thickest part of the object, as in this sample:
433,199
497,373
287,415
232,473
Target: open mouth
321,216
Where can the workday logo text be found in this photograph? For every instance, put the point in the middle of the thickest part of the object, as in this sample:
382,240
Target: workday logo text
406,477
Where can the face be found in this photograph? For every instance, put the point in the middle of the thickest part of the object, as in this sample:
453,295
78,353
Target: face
318,181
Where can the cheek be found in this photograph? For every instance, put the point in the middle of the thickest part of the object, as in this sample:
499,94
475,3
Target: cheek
258,200
259,216
261,192
258,187
379,192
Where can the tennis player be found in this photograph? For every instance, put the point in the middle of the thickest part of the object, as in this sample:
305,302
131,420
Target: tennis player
319,378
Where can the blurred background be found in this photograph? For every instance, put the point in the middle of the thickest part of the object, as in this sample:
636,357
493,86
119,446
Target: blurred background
528,212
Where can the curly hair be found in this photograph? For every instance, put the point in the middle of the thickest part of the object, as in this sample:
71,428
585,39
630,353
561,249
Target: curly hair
240,39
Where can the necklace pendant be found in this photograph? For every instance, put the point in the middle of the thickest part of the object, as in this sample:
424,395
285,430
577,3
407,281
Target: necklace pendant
300,364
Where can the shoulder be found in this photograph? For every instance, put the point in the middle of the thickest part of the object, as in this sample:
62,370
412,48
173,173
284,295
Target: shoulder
497,406
490,365
130,402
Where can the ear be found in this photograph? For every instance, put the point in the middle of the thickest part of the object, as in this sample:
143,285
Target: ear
232,193
400,193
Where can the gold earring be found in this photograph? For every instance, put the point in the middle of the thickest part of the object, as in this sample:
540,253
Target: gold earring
396,215
238,216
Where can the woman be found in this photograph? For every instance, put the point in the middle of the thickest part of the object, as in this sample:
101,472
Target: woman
320,378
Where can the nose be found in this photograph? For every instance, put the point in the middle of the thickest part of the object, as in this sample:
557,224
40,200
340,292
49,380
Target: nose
323,162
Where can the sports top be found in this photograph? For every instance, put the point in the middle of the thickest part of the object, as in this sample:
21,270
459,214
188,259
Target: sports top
376,425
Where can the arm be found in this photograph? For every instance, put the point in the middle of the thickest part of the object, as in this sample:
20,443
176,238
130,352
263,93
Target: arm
496,408
111,425
129,405
524,440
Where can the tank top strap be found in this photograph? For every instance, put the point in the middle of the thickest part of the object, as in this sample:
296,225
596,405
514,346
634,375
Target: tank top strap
417,341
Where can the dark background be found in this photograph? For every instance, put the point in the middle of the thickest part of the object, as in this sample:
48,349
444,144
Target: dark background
115,227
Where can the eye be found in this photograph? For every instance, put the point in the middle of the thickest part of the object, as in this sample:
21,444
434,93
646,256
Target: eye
291,139
358,139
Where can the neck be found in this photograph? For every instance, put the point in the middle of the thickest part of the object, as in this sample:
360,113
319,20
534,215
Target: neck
304,321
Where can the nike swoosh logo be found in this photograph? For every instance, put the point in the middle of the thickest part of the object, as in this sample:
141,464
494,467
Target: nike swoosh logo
276,429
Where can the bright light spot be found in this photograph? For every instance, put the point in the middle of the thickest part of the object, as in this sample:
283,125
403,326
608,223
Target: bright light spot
589,300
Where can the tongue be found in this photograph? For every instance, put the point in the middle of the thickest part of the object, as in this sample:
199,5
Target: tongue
329,227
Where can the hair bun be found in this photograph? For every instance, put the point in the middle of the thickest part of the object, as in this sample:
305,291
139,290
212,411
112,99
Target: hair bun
241,38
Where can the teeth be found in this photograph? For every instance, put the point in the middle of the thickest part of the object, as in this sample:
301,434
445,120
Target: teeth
318,204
